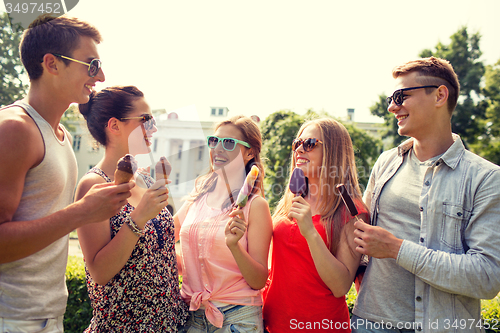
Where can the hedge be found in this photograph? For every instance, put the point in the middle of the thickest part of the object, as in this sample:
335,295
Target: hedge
79,312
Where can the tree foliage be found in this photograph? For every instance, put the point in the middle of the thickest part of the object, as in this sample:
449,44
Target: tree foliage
463,53
488,144
280,129
11,69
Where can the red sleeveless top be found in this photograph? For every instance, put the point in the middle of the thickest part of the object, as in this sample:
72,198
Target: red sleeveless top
296,299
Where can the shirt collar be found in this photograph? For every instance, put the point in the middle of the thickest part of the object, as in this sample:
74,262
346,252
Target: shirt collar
451,157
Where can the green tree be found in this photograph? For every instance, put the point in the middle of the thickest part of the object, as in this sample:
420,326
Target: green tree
488,144
11,69
280,129
366,151
463,53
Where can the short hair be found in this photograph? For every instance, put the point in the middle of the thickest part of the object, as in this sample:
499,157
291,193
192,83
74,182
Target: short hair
49,34
112,102
433,71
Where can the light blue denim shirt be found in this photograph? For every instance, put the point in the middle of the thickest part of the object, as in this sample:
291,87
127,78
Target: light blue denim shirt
457,260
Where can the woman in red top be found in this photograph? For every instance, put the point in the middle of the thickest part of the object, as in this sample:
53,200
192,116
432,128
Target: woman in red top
314,261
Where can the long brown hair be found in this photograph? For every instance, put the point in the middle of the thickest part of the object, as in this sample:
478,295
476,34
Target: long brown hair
251,135
338,167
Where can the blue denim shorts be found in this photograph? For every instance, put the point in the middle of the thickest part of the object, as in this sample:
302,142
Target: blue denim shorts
51,325
237,318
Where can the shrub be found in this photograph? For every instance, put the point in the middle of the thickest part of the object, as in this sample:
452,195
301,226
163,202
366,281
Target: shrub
490,311
78,310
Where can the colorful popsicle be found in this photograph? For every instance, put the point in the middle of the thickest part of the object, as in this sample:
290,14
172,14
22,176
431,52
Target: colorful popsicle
245,191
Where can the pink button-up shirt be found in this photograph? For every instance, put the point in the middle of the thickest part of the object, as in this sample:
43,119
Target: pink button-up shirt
210,273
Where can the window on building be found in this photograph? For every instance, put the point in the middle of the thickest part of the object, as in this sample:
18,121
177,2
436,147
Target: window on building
177,179
213,111
77,139
179,154
200,153
221,112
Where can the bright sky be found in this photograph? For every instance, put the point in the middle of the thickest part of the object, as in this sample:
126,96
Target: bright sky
258,57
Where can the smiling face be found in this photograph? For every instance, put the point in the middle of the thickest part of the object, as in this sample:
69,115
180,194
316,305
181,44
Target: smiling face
75,79
416,116
139,134
230,160
310,162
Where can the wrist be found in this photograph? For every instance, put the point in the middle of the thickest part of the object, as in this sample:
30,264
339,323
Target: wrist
138,220
134,227
235,247
396,247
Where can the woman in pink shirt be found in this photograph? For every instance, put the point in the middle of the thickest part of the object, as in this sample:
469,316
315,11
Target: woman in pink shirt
224,250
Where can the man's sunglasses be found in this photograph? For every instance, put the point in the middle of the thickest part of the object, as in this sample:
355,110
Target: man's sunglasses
147,120
94,65
398,96
307,144
227,143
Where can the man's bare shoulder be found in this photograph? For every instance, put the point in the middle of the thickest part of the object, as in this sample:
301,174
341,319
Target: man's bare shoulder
19,135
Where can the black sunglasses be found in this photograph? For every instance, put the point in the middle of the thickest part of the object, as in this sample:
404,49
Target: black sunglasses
227,143
147,119
398,96
307,144
94,65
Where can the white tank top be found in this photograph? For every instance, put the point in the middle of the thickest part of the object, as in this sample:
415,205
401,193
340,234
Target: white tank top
34,287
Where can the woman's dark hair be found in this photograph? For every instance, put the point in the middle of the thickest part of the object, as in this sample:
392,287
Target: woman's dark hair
113,102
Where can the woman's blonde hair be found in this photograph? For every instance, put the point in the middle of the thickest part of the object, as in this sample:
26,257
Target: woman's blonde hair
251,135
338,167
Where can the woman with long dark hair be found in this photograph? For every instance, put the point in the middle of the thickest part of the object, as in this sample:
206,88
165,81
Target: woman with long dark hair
130,259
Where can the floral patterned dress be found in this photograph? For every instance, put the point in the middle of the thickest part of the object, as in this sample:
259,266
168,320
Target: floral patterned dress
144,296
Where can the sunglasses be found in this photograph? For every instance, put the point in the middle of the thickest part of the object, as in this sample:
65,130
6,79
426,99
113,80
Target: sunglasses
398,96
307,144
94,65
227,143
146,119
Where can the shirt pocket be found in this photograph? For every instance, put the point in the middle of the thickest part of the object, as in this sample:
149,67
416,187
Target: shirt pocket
455,219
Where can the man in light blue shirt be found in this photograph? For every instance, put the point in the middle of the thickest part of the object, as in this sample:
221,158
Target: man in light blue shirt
434,241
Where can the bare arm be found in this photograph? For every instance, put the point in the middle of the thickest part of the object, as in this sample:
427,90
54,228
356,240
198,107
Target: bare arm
252,264
336,271
105,257
19,239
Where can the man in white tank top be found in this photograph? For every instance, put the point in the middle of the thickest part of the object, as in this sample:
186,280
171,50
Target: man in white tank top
38,175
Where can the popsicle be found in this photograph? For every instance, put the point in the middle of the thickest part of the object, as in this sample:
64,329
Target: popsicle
125,169
162,169
348,201
298,182
245,191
